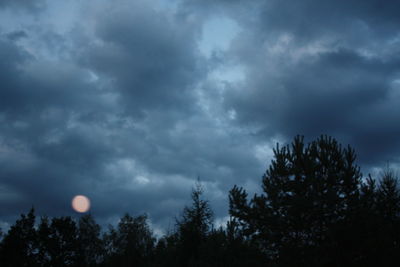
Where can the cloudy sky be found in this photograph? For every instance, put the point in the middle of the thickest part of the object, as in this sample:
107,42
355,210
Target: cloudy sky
128,102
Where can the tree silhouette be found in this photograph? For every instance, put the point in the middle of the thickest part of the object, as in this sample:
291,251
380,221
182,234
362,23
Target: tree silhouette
44,243
241,251
308,193
131,244
91,251
18,248
63,242
388,210
167,252
194,227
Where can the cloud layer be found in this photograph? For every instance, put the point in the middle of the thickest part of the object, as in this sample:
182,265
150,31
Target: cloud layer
119,101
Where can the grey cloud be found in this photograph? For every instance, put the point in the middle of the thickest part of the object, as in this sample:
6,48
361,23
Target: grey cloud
16,35
315,18
345,23
117,119
124,108
322,67
30,5
312,18
338,93
42,159
151,58
30,85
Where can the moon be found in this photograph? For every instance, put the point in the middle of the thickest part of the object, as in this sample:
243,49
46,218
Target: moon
81,203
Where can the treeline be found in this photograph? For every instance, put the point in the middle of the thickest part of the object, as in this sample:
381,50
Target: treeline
316,209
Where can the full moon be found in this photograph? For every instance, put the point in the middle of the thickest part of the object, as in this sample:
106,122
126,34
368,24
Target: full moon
81,203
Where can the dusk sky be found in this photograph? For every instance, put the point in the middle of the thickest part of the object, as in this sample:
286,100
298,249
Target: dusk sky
128,102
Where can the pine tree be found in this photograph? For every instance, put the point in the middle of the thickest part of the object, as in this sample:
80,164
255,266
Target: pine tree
388,210
308,192
194,227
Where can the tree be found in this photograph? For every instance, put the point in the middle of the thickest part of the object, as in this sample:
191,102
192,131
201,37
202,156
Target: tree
19,246
91,249
166,252
44,242
376,223
308,193
131,244
240,251
63,243
194,227
388,195
388,211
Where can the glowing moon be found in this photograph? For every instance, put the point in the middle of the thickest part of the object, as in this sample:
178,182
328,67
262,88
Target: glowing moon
81,203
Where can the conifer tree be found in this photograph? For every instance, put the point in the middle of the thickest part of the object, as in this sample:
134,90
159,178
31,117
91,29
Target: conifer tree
388,210
308,192
194,226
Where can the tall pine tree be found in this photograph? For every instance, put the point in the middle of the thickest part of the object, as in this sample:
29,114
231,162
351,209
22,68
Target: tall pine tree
308,192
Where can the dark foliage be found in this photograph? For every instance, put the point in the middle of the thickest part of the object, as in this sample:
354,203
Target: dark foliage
131,244
18,248
91,249
316,210
197,243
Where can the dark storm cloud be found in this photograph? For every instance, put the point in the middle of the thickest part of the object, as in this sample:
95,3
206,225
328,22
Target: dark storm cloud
114,113
339,93
42,160
9,74
124,107
152,59
313,19
323,67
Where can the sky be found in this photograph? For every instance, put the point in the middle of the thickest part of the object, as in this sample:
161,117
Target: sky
129,102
